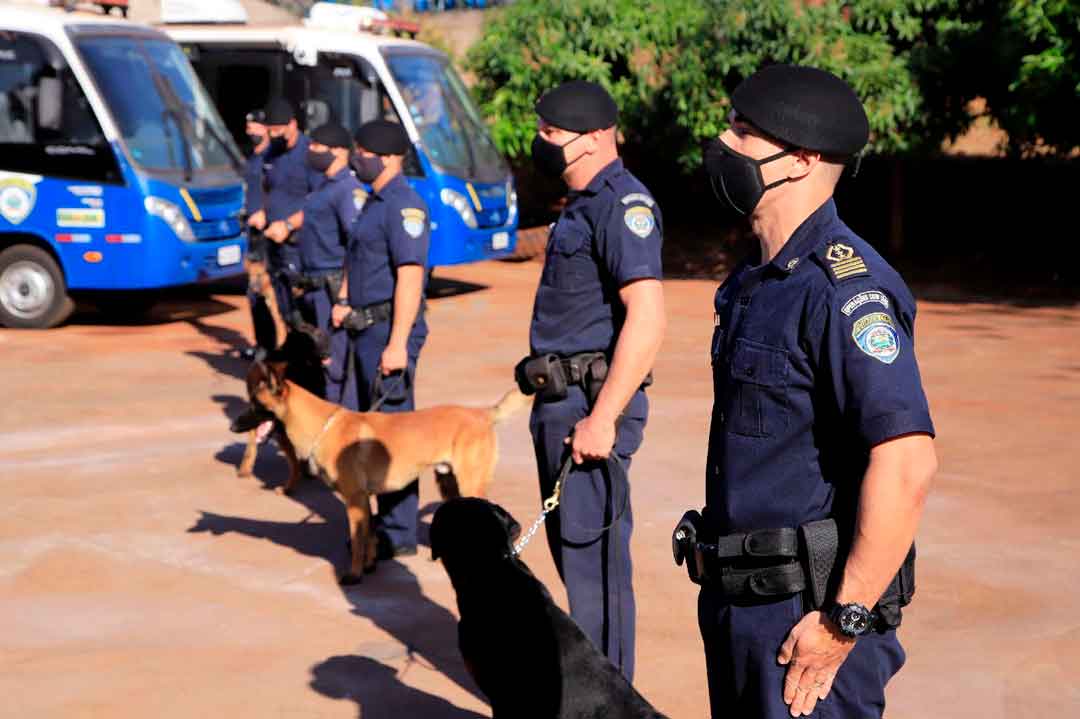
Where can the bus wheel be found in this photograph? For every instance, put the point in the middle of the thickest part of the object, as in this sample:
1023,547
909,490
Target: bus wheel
33,293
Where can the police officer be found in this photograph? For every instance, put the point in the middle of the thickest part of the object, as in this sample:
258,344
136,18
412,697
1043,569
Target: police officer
600,303
261,323
329,213
287,179
381,302
821,440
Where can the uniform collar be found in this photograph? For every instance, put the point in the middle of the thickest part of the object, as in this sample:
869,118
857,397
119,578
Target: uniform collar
806,238
390,187
606,173
341,174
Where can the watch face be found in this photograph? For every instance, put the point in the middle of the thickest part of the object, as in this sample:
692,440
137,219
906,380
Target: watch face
854,620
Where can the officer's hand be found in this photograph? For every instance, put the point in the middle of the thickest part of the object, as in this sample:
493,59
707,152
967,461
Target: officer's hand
257,220
338,314
393,359
277,232
813,653
593,438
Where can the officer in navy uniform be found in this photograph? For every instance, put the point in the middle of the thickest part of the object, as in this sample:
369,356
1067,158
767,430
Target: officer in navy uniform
261,323
288,180
821,446
381,302
329,214
600,294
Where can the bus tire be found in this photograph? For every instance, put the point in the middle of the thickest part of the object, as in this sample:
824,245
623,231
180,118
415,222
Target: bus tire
33,293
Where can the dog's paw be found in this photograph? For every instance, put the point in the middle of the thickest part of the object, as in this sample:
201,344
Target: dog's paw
284,491
243,472
350,579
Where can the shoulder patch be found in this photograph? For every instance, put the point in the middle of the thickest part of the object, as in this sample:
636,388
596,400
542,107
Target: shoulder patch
639,220
844,263
876,336
359,198
871,296
638,197
412,219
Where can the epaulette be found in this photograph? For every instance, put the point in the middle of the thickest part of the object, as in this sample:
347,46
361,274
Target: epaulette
841,262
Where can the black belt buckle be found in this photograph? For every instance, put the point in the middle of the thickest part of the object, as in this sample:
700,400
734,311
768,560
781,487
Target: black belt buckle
369,317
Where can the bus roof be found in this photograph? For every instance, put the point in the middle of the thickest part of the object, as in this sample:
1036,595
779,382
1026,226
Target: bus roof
290,36
53,21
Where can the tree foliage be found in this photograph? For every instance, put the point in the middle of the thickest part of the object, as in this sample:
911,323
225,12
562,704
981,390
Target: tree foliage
670,64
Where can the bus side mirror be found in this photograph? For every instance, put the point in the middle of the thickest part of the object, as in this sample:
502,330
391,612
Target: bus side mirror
50,103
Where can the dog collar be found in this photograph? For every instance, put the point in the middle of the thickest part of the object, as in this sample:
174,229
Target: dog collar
318,438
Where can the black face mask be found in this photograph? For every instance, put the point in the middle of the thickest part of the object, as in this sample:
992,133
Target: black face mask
367,168
549,158
320,161
278,144
736,178
256,139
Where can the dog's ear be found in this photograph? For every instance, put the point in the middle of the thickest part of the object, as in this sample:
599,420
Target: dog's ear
276,377
513,529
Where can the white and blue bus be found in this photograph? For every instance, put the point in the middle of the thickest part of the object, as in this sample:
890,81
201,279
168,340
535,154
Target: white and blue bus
351,77
116,172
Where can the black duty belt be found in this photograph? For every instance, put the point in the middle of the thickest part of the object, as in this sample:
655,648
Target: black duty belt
362,318
780,562
311,282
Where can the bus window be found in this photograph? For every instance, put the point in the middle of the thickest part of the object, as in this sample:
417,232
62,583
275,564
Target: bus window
46,123
164,115
451,131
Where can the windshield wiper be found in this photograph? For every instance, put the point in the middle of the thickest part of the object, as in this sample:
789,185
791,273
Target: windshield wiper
174,109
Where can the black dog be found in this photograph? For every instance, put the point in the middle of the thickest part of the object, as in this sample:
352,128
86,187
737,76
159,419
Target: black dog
527,655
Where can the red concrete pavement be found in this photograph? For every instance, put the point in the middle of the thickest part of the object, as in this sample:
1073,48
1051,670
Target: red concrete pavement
140,577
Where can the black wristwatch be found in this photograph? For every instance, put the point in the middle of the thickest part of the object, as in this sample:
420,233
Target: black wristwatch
344,302
853,620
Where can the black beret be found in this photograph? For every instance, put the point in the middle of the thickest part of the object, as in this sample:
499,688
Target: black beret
805,107
279,111
383,138
578,106
332,135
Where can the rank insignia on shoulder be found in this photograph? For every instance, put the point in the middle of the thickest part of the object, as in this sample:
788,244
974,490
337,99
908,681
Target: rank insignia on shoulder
413,221
844,263
638,197
639,220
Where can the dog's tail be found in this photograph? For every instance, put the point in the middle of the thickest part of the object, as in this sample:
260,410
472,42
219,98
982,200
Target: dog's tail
510,404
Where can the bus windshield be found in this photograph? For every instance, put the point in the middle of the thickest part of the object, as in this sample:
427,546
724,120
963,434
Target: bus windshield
163,113
451,131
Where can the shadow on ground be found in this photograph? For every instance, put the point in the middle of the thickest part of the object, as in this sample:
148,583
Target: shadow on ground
391,598
378,690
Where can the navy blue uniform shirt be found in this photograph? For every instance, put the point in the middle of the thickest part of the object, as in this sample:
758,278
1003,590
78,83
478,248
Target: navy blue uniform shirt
813,364
608,234
288,181
253,183
392,229
329,213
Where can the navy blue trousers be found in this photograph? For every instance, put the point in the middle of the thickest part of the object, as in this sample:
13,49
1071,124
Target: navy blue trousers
316,307
745,680
397,511
594,565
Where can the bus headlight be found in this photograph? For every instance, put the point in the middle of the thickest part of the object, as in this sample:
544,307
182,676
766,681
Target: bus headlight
511,203
172,216
460,203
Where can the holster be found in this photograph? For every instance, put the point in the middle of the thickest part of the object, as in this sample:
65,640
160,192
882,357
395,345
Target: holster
548,376
362,318
785,561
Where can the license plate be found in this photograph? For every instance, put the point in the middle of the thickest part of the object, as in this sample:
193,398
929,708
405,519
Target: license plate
228,255
500,240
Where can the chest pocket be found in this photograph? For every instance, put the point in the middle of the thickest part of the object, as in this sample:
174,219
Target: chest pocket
568,262
759,387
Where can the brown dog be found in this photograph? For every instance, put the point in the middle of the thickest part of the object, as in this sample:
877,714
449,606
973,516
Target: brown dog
360,454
